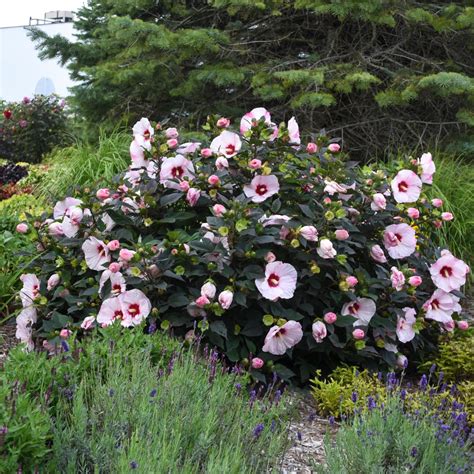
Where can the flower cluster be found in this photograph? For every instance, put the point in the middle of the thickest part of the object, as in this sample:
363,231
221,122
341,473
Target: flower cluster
267,246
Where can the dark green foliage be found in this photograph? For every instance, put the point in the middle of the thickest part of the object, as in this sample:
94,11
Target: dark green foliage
376,72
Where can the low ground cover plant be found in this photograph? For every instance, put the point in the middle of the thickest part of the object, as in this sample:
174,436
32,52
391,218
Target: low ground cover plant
285,255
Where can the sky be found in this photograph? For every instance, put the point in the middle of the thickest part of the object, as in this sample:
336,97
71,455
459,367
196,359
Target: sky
18,12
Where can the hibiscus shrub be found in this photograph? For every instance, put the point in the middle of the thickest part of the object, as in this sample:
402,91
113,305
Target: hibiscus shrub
284,255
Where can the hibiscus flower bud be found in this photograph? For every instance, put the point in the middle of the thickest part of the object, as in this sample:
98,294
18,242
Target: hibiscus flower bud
379,203
113,245
184,186
311,147
171,133
330,317
222,163
447,216
126,254
342,234
255,164
88,323
206,152
415,280
213,180
270,257
257,363
319,331
438,224
202,301
53,281
22,228
327,200
225,299
413,212
358,334
402,361
172,142
463,325
334,148
218,209
326,249
103,193
352,281
436,202
65,333
449,326
192,196
208,290
378,254
309,232
223,122
114,267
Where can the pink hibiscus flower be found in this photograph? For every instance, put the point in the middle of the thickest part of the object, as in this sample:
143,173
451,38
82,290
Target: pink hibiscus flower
397,278
363,309
30,290
279,339
135,307
399,240
279,281
262,187
227,144
176,169
96,254
137,155
143,133
406,186
441,306
448,272
63,207
110,310
188,148
117,282
428,168
294,131
71,221
24,329
405,331
250,119
319,331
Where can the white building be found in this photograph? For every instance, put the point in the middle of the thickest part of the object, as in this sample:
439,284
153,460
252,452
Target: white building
22,73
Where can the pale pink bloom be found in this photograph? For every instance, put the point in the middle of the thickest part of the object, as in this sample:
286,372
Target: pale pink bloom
257,363
279,281
223,122
213,180
115,267
225,299
143,133
135,307
332,187
413,212
176,168
53,281
428,168
274,219
110,310
137,154
270,257
463,325
65,333
330,317
358,334
126,255
255,164
379,203
96,253
399,240
55,229
397,278
406,186
294,131
202,301
171,133
172,142
326,249
441,306
311,147
334,147
88,323
227,144
378,254
437,202
279,339
449,326
22,228
113,245
63,207
70,224
342,234
134,176
117,282
363,309
30,290
447,216
402,361
309,232
206,152
221,163
218,210
184,186
405,331
352,281
438,224
103,193
208,290
192,196
188,148
262,187
415,280
448,272
250,119
24,329
319,331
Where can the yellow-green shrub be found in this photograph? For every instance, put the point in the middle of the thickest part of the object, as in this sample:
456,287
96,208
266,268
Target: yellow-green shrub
17,208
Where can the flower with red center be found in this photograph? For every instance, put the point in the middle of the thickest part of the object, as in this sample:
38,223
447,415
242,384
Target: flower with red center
441,306
227,144
279,281
135,307
262,187
63,208
175,169
279,339
428,168
363,309
251,119
448,272
30,290
117,282
110,310
96,253
143,133
405,331
406,186
399,240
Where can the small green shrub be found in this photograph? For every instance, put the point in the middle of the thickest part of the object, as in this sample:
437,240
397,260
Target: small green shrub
19,207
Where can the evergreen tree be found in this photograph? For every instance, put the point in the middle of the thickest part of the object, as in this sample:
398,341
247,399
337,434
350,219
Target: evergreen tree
376,72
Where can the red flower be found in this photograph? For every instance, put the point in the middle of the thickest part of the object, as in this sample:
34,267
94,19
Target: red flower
7,113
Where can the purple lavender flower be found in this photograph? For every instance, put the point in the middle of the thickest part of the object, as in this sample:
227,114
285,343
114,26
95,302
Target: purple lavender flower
65,346
258,430
153,393
403,394
423,382
152,327
432,368
332,421
238,388
414,452
133,465
111,392
354,397
371,403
